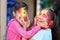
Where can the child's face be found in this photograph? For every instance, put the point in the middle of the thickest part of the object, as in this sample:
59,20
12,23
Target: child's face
43,22
23,13
45,19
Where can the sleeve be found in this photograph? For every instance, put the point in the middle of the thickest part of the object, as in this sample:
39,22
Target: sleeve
24,33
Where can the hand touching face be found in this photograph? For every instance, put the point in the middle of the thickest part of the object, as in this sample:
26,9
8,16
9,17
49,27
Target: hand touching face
23,17
42,22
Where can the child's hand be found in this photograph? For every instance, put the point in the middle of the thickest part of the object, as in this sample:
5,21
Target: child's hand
42,22
35,20
28,21
25,22
22,22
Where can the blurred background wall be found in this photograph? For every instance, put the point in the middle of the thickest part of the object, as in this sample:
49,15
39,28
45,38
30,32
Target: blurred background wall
0,20
3,18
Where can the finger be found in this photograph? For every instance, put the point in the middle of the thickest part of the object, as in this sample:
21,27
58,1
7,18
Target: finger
36,19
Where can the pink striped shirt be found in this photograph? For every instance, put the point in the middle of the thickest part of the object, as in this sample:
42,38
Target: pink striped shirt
16,32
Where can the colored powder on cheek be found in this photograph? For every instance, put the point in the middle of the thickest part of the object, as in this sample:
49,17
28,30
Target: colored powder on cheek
22,11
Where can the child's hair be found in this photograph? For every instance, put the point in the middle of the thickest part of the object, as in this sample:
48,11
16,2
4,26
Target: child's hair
20,5
50,13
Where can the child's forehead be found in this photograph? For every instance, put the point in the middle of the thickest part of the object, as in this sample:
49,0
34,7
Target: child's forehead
45,13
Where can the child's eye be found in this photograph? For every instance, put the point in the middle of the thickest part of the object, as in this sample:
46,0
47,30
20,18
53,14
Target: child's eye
40,21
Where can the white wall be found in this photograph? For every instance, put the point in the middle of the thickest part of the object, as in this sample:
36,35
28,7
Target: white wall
3,18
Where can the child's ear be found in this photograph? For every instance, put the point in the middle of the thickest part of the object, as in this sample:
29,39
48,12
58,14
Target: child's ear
51,23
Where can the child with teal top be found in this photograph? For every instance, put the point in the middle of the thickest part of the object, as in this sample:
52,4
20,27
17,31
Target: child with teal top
46,20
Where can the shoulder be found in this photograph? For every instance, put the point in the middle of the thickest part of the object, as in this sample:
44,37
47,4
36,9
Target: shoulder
49,30
45,31
12,21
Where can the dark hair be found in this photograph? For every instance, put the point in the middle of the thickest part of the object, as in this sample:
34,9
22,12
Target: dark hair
54,28
20,5
52,14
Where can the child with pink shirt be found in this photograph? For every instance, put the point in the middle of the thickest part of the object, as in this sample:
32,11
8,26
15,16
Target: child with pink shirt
16,28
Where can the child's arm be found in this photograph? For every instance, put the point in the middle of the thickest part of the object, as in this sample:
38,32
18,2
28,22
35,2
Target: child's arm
24,33
23,37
